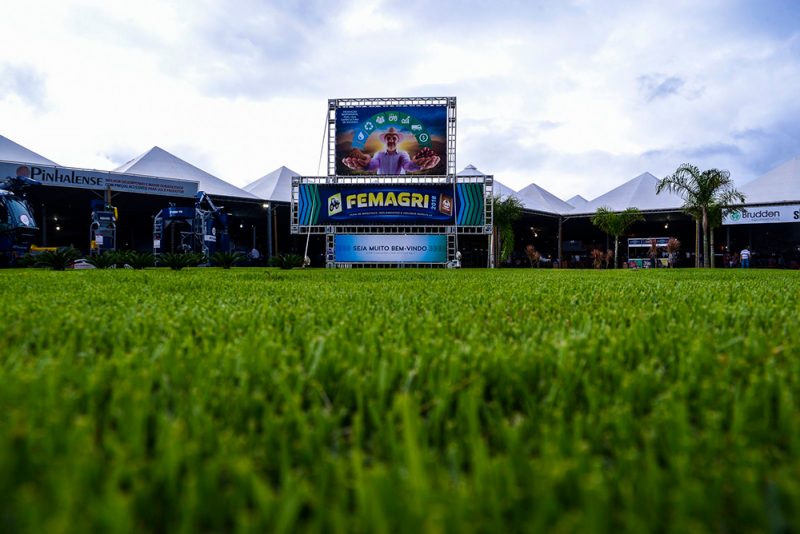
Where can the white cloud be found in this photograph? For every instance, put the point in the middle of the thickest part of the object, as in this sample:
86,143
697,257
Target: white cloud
577,97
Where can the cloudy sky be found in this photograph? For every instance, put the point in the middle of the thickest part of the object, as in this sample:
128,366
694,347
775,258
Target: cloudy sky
576,96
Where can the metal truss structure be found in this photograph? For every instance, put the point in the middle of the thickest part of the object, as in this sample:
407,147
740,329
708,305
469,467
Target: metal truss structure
452,231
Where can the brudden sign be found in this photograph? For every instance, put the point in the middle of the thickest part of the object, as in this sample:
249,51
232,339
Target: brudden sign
764,215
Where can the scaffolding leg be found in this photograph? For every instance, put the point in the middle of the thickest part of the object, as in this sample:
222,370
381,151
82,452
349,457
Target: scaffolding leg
330,253
158,228
490,259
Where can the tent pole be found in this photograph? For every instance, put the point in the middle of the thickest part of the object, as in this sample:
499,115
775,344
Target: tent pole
269,231
560,245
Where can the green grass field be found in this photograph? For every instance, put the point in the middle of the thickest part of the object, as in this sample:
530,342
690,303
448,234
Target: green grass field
400,400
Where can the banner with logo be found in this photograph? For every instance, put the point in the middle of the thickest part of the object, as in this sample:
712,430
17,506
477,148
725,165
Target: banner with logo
384,204
763,215
99,180
390,248
391,140
647,241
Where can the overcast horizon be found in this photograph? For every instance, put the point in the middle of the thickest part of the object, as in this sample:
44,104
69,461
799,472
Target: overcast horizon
577,97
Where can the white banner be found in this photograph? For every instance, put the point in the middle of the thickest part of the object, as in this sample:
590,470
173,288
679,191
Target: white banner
99,180
764,214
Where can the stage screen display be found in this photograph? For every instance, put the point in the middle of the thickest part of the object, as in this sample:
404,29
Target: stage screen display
390,204
391,140
363,248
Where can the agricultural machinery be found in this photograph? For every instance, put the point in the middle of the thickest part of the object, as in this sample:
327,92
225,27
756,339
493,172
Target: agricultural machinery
202,229
17,225
103,229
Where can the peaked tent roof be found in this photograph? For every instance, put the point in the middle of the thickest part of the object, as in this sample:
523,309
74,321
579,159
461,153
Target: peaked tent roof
470,170
159,162
536,198
275,186
781,184
500,189
639,192
577,201
11,151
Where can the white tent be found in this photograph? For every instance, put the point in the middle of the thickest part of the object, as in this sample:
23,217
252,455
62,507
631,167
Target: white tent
577,202
11,151
781,184
499,188
275,186
640,193
538,199
159,162
502,190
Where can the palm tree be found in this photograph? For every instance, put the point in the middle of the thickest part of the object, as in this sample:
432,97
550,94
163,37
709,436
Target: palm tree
58,260
506,210
701,191
714,221
616,224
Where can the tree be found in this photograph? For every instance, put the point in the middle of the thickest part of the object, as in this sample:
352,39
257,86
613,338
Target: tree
701,192
57,260
226,260
616,224
714,221
597,258
506,210
673,245
533,255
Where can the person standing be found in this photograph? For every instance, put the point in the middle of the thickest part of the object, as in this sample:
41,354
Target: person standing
745,257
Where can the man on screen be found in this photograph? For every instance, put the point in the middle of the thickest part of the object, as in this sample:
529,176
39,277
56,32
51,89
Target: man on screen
391,160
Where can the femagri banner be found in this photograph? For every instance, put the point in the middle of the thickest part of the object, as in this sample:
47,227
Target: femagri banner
764,215
89,179
390,204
